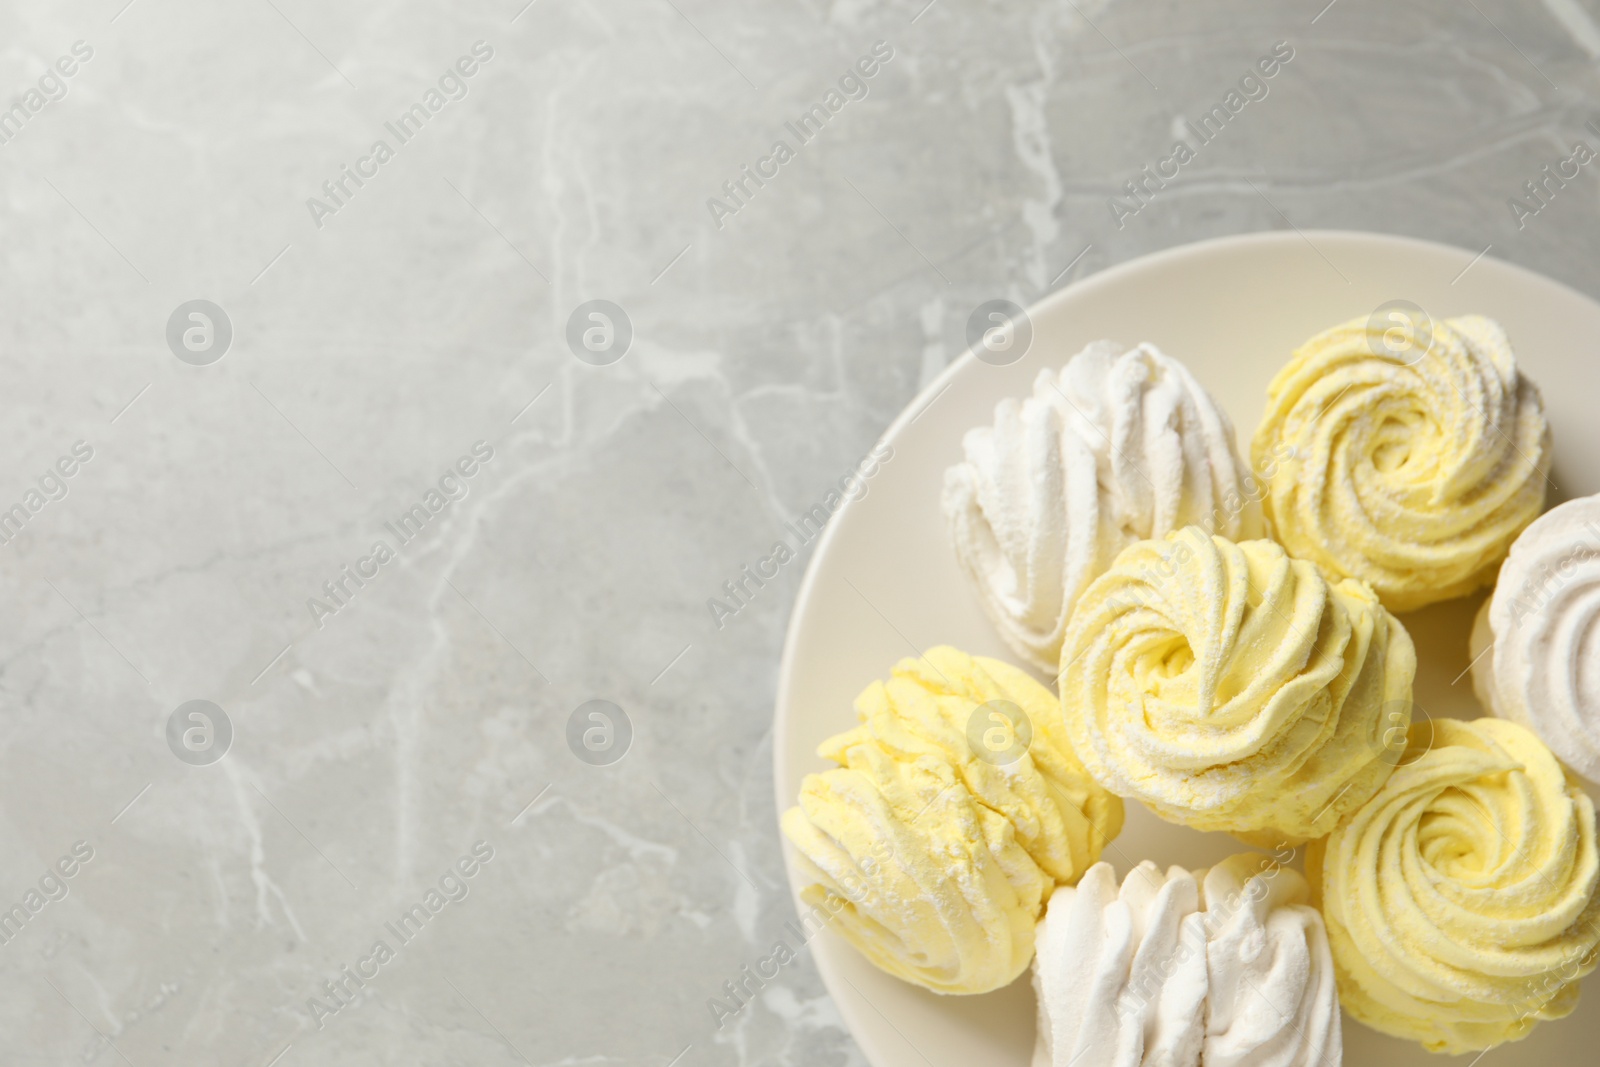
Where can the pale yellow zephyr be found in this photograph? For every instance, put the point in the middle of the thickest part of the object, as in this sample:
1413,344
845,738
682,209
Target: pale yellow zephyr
1461,901
1230,687
935,844
1417,456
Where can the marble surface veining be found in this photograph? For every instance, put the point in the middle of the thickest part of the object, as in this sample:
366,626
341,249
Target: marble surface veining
383,729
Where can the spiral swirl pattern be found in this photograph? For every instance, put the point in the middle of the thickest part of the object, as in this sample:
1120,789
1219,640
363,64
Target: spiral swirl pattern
933,860
1229,687
1413,470
1115,447
1461,900
1536,648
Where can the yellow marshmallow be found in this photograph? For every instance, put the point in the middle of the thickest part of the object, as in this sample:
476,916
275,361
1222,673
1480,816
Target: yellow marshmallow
1414,458
1229,687
937,841
1461,900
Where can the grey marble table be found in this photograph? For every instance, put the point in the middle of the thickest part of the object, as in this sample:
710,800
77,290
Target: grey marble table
395,507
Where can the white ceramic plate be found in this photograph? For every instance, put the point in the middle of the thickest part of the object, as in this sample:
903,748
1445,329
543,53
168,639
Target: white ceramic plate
884,583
